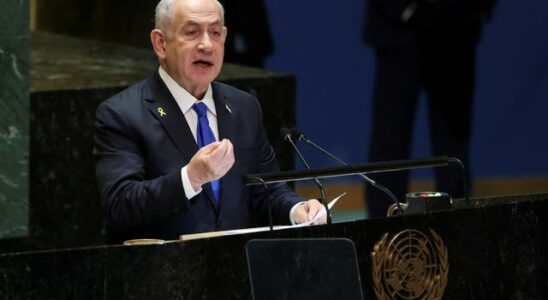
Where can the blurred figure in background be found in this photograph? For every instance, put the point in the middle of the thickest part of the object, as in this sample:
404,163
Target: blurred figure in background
249,41
428,45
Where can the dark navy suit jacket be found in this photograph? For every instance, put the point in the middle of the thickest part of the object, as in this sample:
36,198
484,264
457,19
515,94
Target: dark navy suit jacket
143,140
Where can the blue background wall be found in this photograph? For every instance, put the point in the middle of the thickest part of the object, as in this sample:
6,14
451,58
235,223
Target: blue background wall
322,46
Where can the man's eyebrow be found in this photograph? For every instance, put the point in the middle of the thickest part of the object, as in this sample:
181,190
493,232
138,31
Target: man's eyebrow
191,23
194,23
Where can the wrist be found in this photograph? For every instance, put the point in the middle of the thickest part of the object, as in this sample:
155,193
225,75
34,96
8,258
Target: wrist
193,178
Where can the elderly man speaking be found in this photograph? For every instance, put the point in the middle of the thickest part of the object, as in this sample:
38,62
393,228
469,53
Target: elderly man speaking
171,150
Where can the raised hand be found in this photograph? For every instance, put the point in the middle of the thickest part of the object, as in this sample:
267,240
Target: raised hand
211,162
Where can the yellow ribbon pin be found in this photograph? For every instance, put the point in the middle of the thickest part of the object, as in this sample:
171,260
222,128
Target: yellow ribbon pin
161,111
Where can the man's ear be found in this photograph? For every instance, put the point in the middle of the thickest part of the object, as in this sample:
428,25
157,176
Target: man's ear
225,32
157,38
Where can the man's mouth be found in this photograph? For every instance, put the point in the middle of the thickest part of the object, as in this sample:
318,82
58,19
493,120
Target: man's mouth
203,63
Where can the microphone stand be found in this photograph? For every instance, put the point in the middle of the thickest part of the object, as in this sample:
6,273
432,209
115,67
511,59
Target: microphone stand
301,137
287,136
270,219
464,179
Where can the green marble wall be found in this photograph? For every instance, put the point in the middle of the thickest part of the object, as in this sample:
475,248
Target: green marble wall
14,118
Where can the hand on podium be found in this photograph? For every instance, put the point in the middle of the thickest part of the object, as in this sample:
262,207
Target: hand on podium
308,211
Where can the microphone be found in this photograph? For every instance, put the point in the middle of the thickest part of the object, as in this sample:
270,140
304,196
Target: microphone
300,137
286,134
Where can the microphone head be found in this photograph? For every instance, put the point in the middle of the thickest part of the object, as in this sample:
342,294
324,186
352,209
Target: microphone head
284,131
296,133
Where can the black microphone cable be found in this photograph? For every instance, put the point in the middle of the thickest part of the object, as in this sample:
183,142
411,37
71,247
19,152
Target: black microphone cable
286,134
300,137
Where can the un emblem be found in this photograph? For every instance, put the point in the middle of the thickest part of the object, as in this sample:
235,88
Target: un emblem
410,265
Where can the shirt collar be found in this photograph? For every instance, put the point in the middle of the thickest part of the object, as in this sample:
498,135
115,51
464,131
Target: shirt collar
184,99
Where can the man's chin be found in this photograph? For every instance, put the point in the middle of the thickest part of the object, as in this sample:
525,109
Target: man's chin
204,77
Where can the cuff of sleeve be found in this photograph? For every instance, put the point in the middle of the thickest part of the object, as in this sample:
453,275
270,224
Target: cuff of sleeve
292,212
189,190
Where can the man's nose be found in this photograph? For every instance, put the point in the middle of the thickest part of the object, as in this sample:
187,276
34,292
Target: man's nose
205,43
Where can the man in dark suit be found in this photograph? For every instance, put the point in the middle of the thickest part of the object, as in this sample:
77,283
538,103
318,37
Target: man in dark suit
419,44
155,181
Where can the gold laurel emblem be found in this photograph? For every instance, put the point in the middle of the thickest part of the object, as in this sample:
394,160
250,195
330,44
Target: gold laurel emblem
410,265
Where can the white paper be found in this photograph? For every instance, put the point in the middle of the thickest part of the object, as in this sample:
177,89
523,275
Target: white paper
258,229
322,212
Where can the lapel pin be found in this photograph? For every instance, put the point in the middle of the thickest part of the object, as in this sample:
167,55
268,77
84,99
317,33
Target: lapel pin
228,109
161,111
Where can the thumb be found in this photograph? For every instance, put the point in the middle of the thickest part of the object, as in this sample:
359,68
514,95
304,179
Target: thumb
301,213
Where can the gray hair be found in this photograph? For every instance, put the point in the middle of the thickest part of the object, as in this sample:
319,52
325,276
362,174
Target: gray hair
164,12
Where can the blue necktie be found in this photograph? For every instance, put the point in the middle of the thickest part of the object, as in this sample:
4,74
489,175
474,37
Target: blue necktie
205,136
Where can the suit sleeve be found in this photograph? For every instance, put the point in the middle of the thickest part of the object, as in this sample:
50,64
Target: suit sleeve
129,198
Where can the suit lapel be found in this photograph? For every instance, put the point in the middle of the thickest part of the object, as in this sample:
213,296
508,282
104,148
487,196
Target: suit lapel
225,123
163,107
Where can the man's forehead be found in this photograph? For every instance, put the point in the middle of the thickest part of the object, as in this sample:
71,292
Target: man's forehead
199,9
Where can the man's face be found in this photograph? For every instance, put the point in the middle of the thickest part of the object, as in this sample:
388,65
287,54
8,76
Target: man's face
194,45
